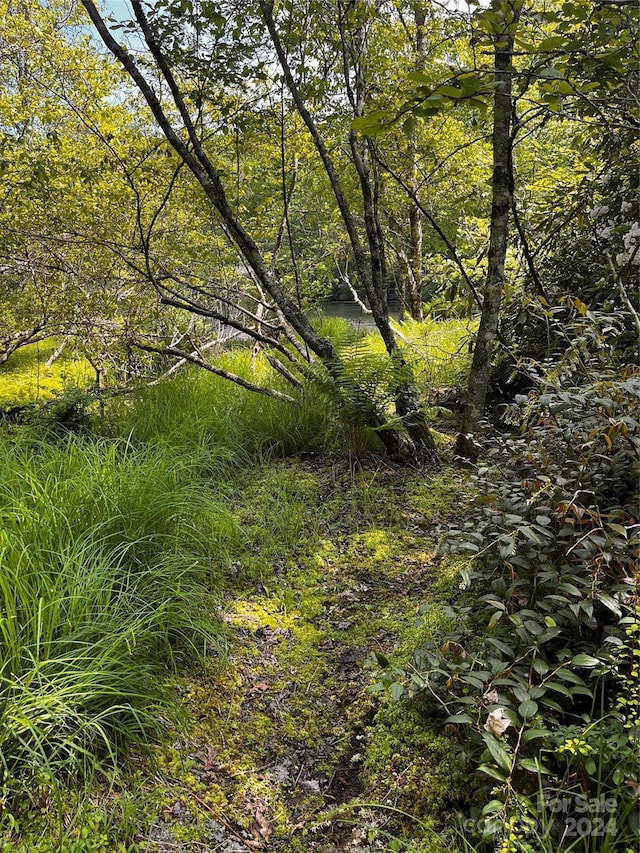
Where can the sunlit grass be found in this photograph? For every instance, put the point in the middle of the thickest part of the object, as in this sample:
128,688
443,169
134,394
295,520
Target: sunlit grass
26,378
211,419
439,350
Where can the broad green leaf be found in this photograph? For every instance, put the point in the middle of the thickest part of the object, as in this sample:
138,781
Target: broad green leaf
528,708
498,752
459,718
550,73
494,772
552,43
585,660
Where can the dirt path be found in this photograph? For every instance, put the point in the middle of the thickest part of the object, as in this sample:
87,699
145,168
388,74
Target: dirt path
280,739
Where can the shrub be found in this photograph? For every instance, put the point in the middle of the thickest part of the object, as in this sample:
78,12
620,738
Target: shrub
540,682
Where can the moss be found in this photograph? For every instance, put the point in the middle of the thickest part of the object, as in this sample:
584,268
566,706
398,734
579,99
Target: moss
439,494
408,764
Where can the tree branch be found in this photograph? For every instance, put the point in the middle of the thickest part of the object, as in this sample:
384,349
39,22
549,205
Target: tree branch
194,358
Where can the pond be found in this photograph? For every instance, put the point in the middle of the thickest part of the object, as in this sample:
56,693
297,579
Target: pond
352,312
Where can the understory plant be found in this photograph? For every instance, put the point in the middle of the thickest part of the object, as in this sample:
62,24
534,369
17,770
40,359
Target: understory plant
107,564
538,678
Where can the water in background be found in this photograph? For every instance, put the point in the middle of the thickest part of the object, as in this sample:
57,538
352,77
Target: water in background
352,312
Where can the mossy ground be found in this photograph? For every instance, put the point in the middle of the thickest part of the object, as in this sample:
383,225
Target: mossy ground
283,746
282,742
288,733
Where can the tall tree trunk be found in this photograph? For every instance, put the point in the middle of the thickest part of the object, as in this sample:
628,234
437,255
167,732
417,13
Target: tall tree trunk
370,265
502,196
414,281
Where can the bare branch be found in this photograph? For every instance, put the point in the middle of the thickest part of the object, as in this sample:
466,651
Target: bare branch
218,371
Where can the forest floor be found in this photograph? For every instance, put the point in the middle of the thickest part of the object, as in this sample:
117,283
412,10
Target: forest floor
290,735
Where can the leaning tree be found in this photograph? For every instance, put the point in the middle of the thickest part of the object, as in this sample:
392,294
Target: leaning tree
194,54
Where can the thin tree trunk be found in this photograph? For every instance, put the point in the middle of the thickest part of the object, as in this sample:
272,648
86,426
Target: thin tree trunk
414,281
502,196
196,160
370,265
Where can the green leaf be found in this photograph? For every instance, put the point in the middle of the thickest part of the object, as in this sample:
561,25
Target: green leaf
373,122
534,765
551,74
525,46
528,708
530,764
494,772
540,665
585,660
570,588
534,734
492,807
494,620
382,660
420,77
450,91
558,688
565,87
409,126
611,604
552,43
397,691
459,718
498,752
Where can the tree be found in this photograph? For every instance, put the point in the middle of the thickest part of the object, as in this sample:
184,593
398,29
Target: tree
188,136
67,207
502,25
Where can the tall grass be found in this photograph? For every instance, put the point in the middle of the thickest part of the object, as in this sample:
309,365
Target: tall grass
214,422
107,557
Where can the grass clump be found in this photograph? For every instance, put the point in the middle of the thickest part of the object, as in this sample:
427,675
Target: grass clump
217,422
103,587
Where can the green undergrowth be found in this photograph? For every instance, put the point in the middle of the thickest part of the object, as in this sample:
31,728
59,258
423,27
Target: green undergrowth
199,412
133,567
291,729
120,545
109,559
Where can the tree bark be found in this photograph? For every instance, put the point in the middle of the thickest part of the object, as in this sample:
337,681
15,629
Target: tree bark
502,196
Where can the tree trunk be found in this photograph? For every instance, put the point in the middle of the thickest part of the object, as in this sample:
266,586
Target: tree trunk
502,195
414,281
370,265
